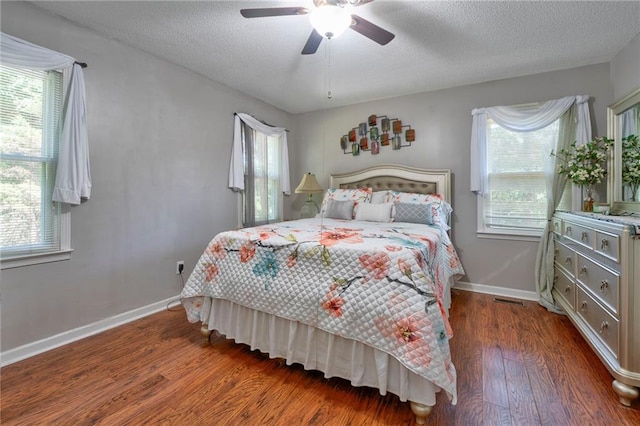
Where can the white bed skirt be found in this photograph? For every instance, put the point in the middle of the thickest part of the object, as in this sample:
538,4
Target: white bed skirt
315,349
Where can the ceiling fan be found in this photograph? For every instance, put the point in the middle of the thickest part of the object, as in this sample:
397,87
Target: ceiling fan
329,19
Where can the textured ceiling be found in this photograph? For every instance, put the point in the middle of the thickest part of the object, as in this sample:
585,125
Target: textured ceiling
438,44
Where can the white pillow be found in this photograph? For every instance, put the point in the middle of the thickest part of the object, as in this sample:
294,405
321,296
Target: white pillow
379,197
374,212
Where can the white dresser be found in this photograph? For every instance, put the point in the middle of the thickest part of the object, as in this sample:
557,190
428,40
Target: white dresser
597,282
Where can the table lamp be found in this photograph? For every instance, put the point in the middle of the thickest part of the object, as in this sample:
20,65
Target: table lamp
309,185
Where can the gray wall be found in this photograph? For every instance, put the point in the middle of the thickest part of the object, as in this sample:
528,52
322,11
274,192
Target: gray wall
625,69
442,120
159,138
160,143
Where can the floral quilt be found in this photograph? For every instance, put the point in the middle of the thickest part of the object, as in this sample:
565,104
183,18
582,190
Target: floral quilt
378,283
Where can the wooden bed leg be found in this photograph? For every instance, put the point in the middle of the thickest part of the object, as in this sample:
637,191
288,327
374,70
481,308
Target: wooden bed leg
206,333
421,411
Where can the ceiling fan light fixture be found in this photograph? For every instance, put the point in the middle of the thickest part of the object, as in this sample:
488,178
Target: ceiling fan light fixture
330,20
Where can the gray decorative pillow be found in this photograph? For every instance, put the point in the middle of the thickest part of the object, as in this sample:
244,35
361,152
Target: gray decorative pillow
414,213
339,209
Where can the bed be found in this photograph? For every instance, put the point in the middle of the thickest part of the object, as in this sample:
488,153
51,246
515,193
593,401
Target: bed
351,293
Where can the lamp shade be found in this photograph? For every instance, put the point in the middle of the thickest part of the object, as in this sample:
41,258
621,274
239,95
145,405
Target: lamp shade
330,20
309,184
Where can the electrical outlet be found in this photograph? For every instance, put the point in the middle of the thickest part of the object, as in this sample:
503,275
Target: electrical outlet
179,267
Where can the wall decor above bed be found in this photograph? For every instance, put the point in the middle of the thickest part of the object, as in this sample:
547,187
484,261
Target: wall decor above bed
368,137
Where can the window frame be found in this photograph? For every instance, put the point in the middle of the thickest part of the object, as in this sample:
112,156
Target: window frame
508,233
243,195
64,253
62,216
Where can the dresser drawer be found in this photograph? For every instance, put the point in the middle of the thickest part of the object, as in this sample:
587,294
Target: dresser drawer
557,226
580,234
603,283
565,287
608,245
604,326
565,257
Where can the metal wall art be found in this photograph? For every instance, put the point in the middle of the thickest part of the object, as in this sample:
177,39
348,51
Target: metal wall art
368,137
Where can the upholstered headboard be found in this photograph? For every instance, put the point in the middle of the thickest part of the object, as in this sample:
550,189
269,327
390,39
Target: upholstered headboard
397,178
382,183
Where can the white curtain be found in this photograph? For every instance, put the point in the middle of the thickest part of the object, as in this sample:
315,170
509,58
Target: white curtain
236,168
73,177
576,125
521,119
555,183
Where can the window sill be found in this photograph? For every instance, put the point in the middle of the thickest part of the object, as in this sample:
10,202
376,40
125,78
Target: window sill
508,236
35,259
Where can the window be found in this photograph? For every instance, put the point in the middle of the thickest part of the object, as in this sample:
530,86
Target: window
515,201
261,200
31,225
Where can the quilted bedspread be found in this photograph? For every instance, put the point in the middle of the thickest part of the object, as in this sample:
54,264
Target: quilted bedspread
378,283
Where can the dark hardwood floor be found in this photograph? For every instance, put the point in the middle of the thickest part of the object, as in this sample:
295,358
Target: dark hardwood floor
517,365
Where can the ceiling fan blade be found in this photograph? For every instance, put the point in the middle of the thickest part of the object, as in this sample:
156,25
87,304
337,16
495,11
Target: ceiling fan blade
371,30
357,3
273,11
312,43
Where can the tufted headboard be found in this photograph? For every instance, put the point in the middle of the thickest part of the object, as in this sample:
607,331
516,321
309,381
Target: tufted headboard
397,178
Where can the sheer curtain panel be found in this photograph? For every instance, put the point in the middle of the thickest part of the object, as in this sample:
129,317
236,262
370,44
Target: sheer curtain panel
73,176
555,182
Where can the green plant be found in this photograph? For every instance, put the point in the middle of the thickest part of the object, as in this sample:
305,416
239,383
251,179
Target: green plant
585,164
631,164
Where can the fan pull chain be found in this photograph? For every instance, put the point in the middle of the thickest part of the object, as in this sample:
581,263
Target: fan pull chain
329,95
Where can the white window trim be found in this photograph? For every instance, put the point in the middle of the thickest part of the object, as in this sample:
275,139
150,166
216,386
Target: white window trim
237,179
583,132
64,218
505,234
53,256
240,196
484,232
510,237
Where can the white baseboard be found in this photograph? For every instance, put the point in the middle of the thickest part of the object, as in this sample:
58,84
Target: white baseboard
497,291
44,345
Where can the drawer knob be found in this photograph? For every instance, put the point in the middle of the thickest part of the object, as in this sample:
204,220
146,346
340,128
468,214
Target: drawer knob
567,289
567,261
603,326
583,306
604,285
568,230
585,237
583,270
604,244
